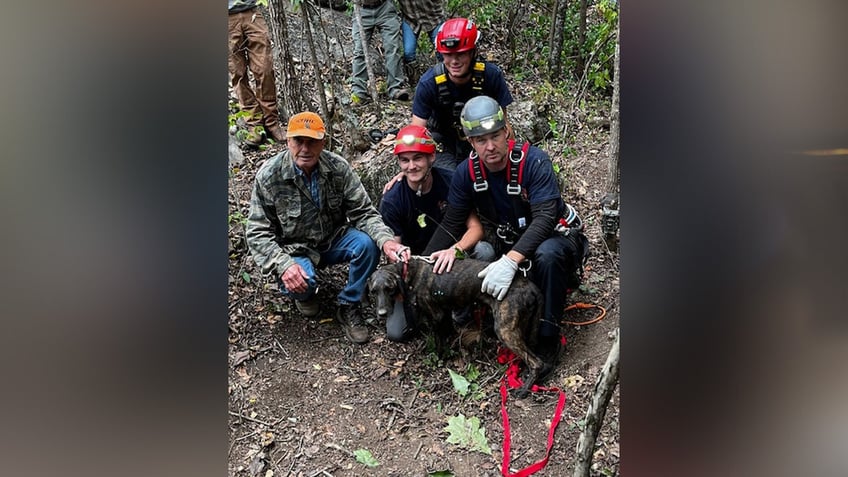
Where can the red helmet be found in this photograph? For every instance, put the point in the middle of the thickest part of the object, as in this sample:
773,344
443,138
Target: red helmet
414,138
457,35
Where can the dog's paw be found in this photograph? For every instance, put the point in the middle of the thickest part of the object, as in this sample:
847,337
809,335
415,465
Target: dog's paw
522,392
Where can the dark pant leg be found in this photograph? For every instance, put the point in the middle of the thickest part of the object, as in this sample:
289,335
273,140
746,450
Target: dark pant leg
553,264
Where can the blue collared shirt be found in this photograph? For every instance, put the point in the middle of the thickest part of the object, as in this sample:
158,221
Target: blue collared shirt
310,183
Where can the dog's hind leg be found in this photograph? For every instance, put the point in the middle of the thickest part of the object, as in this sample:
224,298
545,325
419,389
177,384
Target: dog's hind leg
510,329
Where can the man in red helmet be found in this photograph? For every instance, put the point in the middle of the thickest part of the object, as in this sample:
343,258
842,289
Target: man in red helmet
444,89
414,209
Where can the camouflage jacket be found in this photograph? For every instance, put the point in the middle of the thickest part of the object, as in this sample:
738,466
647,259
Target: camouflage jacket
284,220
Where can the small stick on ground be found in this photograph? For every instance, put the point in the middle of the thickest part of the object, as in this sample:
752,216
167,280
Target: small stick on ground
247,418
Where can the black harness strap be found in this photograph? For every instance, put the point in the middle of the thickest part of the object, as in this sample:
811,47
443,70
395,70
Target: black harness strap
446,99
515,173
515,176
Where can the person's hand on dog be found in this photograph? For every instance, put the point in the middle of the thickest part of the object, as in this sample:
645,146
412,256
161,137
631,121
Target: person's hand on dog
294,279
443,260
396,252
497,277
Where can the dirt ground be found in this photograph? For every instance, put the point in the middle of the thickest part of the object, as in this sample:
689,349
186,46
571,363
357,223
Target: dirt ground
304,402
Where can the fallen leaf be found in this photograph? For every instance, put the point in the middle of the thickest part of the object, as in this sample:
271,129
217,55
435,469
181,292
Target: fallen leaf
379,372
573,381
267,438
311,450
363,456
273,319
243,374
240,356
257,465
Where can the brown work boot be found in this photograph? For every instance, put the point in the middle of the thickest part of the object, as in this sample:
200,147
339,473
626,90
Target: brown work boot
350,319
308,308
276,133
254,137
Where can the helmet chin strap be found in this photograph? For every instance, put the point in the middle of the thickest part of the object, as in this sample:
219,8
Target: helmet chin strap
420,190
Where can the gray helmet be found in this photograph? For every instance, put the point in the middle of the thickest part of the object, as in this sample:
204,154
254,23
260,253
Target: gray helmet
481,115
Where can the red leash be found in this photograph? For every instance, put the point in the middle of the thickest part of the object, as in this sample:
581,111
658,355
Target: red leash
512,380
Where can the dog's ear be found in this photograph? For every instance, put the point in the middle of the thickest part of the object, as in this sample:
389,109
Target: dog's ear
397,278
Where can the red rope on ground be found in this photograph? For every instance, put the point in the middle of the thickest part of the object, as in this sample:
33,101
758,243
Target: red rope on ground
512,380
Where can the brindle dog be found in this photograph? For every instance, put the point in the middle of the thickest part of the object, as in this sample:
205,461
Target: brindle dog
432,297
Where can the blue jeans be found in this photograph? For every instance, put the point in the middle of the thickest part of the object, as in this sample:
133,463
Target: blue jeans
353,246
410,41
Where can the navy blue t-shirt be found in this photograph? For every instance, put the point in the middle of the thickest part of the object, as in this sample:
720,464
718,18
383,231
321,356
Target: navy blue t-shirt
539,181
414,219
426,102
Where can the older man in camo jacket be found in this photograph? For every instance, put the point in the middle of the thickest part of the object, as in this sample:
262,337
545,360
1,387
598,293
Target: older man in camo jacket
308,210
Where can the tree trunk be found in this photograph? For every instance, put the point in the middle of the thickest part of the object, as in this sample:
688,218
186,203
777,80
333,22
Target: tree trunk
613,174
610,203
604,388
289,81
316,66
513,17
581,35
556,38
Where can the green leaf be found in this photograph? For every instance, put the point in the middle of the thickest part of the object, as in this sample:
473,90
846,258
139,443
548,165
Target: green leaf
441,473
467,433
363,456
473,373
245,276
459,383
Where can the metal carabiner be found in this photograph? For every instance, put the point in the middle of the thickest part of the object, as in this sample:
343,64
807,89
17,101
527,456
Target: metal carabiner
526,269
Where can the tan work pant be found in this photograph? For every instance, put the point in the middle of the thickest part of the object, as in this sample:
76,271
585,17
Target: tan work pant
250,47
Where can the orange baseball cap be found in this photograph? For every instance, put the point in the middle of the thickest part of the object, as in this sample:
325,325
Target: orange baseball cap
306,124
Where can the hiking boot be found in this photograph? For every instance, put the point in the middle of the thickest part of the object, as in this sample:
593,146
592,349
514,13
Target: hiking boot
276,133
254,137
308,308
349,317
400,95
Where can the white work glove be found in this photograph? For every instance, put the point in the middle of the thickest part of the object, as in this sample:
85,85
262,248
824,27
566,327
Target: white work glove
497,277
